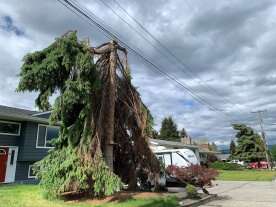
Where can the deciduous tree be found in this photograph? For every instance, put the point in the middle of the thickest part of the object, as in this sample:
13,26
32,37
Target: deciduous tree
273,152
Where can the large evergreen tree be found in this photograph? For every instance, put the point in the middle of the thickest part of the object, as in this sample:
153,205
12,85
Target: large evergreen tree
168,130
250,145
183,133
154,134
103,122
232,147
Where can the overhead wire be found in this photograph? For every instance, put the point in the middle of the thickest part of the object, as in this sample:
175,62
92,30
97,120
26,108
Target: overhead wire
79,10
185,68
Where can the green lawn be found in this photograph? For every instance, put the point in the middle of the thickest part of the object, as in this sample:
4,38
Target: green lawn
31,196
246,175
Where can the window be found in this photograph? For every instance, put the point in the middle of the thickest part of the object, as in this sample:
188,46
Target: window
180,160
12,157
168,159
161,159
165,158
10,128
45,134
31,173
51,133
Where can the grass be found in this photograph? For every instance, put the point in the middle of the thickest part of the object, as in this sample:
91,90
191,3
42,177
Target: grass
31,196
246,175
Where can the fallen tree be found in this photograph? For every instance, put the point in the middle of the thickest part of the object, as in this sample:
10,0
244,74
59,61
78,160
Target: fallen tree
103,122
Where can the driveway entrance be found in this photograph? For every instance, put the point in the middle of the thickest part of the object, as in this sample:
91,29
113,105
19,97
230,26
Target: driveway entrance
244,194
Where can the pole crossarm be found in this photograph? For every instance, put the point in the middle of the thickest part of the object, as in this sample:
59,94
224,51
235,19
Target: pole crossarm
106,47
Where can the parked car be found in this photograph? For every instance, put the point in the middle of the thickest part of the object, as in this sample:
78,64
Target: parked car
237,162
258,165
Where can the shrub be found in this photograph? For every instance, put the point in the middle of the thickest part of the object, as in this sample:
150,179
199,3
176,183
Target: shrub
196,175
191,191
226,166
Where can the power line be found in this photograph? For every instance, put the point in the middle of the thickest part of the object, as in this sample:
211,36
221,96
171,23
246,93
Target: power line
185,68
111,35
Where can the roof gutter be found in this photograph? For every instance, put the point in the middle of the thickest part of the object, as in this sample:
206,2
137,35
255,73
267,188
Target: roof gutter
15,117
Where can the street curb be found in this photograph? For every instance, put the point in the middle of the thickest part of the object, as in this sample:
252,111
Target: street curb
199,202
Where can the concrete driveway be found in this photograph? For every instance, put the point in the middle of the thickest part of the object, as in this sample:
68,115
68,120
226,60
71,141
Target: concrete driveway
243,194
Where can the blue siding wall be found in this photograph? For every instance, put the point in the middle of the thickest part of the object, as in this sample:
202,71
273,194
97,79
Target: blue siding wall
27,147
8,140
22,169
28,153
11,140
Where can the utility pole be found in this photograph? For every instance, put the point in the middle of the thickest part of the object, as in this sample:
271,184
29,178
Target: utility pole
260,120
107,110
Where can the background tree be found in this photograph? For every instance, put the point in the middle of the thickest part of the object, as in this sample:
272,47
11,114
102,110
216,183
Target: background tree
250,145
168,130
155,134
232,147
94,110
213,147
183,133
273,152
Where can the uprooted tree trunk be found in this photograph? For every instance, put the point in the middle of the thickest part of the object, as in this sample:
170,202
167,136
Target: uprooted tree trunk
104,123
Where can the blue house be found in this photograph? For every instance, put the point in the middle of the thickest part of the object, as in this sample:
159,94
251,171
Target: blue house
24,139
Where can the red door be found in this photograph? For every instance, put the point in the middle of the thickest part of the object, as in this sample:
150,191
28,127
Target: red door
3,162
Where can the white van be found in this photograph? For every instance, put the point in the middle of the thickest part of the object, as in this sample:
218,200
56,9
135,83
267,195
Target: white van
177,157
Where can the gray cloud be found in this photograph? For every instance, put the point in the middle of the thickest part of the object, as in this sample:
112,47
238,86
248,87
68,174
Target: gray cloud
226,45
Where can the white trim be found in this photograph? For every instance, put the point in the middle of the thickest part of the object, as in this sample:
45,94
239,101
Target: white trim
11,122
37,134
29,176
8,161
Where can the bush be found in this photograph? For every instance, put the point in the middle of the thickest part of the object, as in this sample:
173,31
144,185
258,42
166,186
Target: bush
196,175
191,191
226,166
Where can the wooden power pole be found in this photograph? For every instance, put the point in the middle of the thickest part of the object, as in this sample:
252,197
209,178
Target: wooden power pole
260,120
107,111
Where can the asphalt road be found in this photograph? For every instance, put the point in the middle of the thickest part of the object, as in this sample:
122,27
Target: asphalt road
243,194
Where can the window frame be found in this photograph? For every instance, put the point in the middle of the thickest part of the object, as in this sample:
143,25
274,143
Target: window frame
11,122
45,137
29,176
162,154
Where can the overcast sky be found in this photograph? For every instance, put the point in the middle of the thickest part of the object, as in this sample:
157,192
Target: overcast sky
227,47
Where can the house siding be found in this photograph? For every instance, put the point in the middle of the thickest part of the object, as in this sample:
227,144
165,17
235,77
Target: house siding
11,140
8,140
28,150
22,170
28,153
